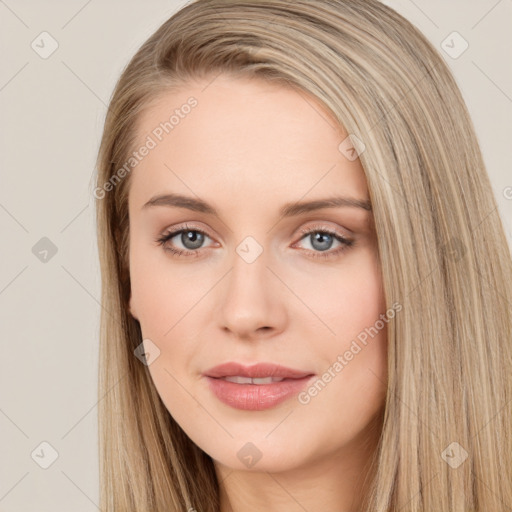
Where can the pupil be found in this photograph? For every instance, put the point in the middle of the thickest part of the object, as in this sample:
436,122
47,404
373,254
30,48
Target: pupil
323,246
194,237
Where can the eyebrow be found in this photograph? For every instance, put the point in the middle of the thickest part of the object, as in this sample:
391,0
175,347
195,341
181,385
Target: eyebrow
288,210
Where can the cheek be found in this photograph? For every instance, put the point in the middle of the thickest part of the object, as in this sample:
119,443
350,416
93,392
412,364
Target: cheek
162,294
168,302
344,300
352,311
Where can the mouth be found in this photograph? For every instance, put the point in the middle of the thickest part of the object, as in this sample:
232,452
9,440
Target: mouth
255,387
237,379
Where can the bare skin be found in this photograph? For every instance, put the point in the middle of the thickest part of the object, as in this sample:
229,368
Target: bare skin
247,148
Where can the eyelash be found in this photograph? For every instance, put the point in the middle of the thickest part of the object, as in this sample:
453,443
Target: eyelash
347,243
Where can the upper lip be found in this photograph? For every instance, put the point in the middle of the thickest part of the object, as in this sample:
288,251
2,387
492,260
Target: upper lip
259,370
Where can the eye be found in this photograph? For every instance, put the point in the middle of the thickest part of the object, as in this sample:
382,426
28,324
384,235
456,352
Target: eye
190,237
321,240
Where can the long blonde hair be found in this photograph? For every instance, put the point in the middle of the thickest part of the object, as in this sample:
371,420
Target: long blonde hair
441,243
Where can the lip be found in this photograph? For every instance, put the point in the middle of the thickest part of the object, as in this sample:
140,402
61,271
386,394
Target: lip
255,397
257,370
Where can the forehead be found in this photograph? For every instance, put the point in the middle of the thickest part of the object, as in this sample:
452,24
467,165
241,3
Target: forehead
242,140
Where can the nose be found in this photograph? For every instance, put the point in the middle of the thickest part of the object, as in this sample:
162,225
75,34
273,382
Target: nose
251,305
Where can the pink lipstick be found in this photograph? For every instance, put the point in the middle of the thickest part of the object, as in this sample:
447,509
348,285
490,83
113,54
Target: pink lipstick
257,387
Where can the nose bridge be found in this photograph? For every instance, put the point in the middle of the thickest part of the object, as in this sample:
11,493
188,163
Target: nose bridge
249,269
249,301
250,250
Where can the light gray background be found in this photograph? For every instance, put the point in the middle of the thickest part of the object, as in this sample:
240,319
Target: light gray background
52,112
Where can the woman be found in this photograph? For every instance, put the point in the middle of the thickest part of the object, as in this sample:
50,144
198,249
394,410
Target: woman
306,282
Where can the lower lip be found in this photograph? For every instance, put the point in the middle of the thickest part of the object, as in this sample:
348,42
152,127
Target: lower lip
256,397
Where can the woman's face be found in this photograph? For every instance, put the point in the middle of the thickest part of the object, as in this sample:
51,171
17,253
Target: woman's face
259,278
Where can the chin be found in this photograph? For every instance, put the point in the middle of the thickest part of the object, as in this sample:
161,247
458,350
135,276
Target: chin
259,455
